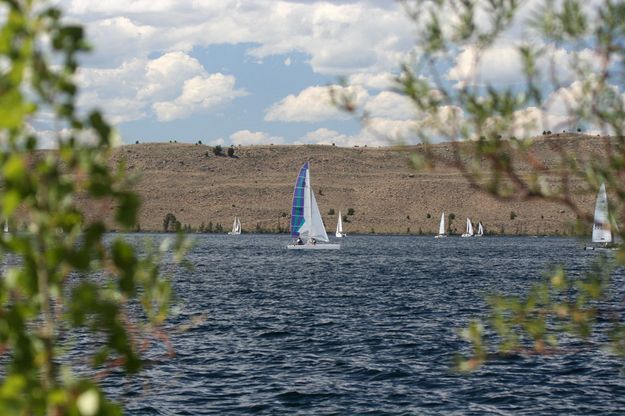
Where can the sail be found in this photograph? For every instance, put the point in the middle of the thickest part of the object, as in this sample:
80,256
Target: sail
234,226
6,226
339,226
601,230
238,226
305,216
297,209
469,227
441,227
480,229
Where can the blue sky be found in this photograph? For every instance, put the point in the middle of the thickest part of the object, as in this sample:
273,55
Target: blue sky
258,71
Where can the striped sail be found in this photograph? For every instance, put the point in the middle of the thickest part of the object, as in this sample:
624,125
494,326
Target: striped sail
297,210
306,219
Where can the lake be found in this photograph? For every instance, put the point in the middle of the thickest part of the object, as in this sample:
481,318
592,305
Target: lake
369,329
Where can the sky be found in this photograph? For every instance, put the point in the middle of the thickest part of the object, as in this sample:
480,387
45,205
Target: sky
257,71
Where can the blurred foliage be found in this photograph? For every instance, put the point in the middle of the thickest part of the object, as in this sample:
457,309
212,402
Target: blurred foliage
572,56
62,274
571,60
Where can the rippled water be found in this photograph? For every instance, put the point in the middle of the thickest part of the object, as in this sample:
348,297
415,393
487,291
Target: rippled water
369,329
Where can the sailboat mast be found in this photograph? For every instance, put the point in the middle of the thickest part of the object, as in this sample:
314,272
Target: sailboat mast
308,200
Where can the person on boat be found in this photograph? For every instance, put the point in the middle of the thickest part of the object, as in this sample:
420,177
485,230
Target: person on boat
312,241
299,242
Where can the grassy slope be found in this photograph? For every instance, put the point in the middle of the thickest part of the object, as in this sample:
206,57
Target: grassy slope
387,195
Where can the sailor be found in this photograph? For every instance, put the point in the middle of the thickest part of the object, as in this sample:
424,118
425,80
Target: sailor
299,242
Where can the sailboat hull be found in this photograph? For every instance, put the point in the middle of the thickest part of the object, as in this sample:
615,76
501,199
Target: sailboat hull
314,247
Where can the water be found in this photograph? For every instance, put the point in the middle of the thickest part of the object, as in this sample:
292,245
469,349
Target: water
369,329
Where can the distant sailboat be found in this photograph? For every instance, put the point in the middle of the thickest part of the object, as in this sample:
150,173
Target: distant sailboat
236,227
441,227
469,230
480,230
6,226
339,227
601,228
306,224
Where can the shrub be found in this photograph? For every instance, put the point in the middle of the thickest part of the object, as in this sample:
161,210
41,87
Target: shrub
231,151
218,150
512,215
331,211
169,222
351,211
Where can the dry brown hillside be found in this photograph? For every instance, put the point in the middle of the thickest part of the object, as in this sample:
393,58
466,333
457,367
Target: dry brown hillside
386,194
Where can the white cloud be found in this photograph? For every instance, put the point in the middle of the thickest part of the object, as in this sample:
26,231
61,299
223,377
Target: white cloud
340,38
246,137
172,86
324,136
199,93
164,75
314,104
502,65
390,105
376,81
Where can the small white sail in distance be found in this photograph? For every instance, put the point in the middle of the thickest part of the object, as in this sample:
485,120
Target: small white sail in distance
601,229
6,226
480,230
441,227
339,227
236,227
469,230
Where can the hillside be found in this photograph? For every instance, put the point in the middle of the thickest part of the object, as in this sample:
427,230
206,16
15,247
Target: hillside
386,194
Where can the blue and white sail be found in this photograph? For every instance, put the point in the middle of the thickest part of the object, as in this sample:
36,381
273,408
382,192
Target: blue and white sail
306,222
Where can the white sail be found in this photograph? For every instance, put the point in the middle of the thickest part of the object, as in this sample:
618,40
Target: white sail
236,227
601,230
339,227
306,222
313,224
441,227
6,226
480,229
469,231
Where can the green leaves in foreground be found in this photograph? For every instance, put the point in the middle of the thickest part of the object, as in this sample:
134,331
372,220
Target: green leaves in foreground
554,309
63,280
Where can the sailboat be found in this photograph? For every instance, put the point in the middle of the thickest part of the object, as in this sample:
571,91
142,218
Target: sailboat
441,228
236,227
306,224
339,227
480,230
601,228
469,230
6,226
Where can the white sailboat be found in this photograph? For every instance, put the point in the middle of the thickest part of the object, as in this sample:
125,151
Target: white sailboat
480,230
306,224
469,230
6,226
441,227
236,227
601,228
339,227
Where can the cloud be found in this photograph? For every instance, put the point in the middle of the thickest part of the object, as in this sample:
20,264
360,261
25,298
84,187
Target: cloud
314,104
199,94
502,65
246,137
376,132
339,37
390,105
376,81
172,86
